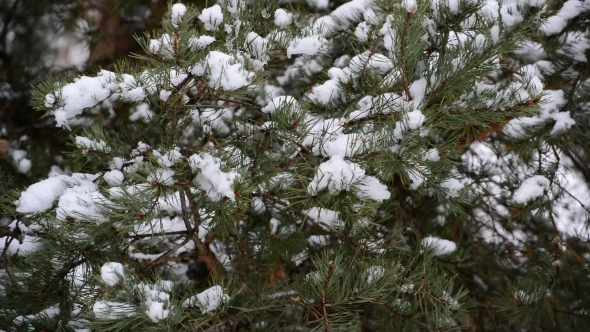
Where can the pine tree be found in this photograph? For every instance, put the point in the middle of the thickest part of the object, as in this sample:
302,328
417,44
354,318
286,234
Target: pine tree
360,166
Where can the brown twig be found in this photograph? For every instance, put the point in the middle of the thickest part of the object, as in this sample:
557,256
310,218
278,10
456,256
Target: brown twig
143,236
189,234
204,254
7,243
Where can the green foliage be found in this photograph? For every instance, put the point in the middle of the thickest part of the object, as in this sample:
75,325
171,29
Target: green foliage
324,174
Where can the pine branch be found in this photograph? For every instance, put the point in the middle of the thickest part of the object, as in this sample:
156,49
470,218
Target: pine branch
205,255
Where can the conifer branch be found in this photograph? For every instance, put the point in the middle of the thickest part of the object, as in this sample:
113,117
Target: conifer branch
204,254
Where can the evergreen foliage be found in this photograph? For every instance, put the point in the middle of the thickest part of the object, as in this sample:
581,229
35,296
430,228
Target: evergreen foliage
355,166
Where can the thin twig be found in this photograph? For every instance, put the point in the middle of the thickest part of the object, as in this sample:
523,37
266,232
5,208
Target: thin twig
189,234
143,236
7,243
204,254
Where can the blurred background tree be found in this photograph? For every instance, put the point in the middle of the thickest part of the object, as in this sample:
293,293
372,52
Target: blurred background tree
60,38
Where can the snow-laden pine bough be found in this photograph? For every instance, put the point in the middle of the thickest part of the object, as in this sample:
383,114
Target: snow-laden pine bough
310,172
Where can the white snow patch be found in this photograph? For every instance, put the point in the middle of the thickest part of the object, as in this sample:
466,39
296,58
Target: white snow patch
199,43
338,174
29,244
84,92
570,9
440,246
335,174
209,300
282,18
40,196
20,160
362,31
212,17
306,45
326,216
113,178
410,5
280,102
223,71
452,186
216,183
177,12
111,273
531,189
157,299
86,144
